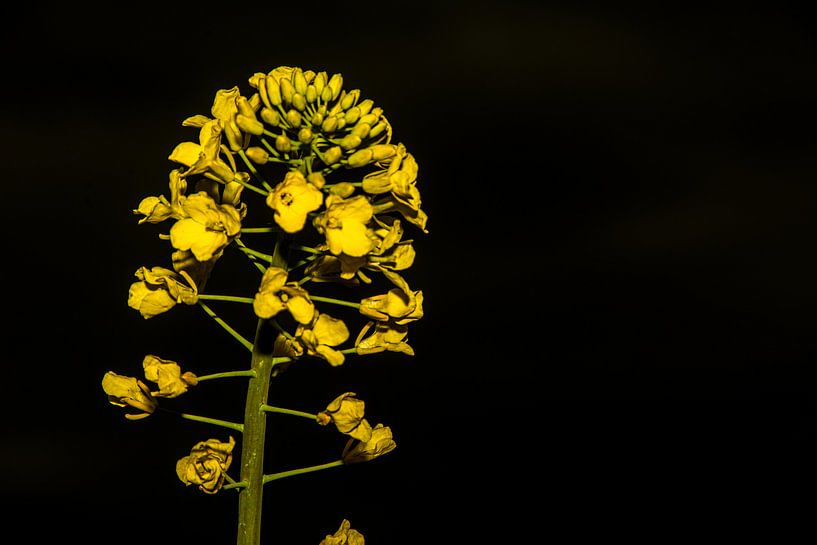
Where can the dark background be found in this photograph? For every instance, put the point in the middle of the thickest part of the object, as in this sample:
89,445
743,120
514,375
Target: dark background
619,274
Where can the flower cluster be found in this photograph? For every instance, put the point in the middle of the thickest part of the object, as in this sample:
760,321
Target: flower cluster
126,391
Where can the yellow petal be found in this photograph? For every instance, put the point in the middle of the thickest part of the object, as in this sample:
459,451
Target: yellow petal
301,309
186,153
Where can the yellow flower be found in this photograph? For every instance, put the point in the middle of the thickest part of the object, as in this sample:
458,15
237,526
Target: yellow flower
168,375
206,465
129,392
159,290
204,156
381,442
400,179
207,228
292,200
343,268
344,224
275,294
345,535
386,336
321,335
404,308
225,110
346,411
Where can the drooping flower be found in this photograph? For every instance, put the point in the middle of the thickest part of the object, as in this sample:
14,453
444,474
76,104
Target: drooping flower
292,199
396,304
207,228
344,225
204,156
381,442
168,375
206,465
275,294
345,535
159,289
321,335
158,209
346,411
386,336
129,392
400,180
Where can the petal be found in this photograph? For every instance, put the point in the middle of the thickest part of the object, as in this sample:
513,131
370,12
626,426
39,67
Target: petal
301,309
186,153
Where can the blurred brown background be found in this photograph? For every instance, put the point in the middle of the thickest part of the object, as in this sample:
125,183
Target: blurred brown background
620,307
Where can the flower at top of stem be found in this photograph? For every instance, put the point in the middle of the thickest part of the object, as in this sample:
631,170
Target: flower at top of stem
207,228
321,335
346,411
345,535
206,465
292,199
397,304
344,223
275,294
129,392
159,289
381,442
204,156
168,375
386,336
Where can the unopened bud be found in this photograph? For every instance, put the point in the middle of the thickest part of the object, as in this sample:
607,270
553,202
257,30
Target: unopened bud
352,115
383,151
332,155
244,107
233,135
299,81
255,102
294,118
305,135
350,99
341,122
365,106
326,94
320,82
335,84
257,79
299,101
309,75
270,116
287,90
252,126
342,189
283,144
369,119
273,91
350,141
317,119
377,129
316,179
311,94
257,155
361,130
360,158
329,124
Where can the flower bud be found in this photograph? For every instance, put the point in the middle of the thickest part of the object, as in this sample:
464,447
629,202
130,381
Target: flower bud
383,151
233,135
257,155
335,84
329,124
350,99
270,116
350,141
311,94
287,90
305,135
252,126
244,107
326,94
320,82
257,80
309,75
361,130
273,91
341,122
283,144
332,155
377,129
299,101
369,119
342,189
294,118
360,158
262,90
299,81
317,119
352,115
316,179
365,106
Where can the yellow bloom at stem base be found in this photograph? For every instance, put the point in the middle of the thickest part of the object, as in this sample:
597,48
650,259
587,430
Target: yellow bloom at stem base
291,201
206,465
345,535
346,411
380,442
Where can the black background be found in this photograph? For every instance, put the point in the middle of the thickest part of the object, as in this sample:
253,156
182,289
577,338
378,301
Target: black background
619,272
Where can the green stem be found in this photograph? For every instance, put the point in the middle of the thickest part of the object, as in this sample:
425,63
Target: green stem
242,246
271,409
247,344
225,374
253,170
305,249
252,187
259,230
291,472
334,301
255,253
232,298
239,484
215,421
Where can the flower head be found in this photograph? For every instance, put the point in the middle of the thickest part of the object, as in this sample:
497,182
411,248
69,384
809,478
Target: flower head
396,304
206,465
344,224
386,336
381,442
129,392
291,201
204,156
275,294
346,411
159,290
400,180
321,335
345,535
207,227
168,375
